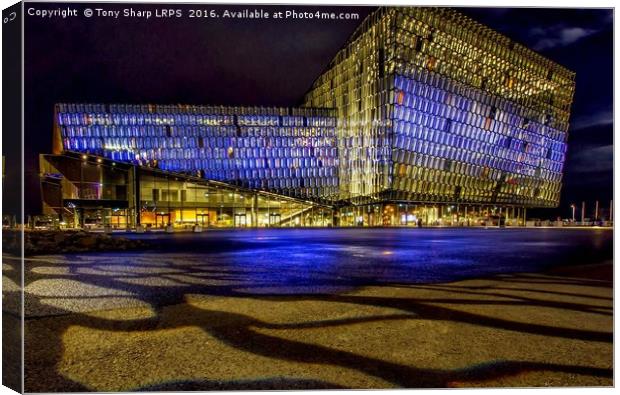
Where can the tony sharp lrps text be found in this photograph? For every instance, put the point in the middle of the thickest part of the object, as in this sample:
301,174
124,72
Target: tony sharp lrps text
136,13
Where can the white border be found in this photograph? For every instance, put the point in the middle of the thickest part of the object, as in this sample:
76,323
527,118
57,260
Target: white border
478,3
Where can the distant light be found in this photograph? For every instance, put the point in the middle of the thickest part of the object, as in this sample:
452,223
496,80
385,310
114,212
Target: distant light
387,252
99,160
113,163
84,157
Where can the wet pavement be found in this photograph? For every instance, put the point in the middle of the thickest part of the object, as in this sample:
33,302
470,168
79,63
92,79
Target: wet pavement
376,256
322,309
296,262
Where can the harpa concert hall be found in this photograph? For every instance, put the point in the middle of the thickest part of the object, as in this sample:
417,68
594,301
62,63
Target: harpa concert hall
424,117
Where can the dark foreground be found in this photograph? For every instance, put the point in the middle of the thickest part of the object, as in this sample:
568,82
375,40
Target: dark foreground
345,308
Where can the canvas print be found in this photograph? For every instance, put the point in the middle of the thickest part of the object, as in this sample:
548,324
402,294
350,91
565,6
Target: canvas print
297,197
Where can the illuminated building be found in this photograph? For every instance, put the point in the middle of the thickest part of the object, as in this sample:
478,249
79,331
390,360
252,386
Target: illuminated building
213,166
435,107
289,152
424,114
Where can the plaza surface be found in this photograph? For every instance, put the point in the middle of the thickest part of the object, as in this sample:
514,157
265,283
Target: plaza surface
324,308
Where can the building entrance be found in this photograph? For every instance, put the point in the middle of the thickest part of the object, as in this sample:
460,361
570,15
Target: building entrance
162,220
202,219
240,220
274,219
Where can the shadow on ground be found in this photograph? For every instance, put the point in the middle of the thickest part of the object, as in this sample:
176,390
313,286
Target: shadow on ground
170,321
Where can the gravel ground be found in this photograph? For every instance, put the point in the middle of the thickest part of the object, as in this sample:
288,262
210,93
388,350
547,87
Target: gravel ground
512,330
301,310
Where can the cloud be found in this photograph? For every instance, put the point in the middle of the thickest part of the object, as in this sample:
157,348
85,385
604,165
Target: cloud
593,159
563,34
600,118
559,36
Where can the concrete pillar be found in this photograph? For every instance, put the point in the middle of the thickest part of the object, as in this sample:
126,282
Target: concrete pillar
254,211
466,218
335,217
80,217
135,174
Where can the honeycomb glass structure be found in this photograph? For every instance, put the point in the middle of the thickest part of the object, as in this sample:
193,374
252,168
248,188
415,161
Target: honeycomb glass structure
435,107
288,151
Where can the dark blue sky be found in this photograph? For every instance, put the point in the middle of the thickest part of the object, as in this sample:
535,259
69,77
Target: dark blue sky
275,62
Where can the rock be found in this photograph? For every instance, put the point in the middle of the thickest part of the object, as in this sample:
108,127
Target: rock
89,241
58,242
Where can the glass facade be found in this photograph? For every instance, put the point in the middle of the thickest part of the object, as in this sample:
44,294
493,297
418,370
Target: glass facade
424,117
357,86
438,108
288,151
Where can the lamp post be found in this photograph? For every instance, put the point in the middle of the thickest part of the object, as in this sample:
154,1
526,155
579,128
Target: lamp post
596,211
573,207
583,211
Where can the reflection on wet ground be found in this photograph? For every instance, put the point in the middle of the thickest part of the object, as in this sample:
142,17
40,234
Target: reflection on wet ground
297,262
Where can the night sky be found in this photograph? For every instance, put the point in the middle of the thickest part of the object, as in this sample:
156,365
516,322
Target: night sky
269,62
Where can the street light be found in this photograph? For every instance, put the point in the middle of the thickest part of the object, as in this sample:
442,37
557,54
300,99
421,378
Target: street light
573,207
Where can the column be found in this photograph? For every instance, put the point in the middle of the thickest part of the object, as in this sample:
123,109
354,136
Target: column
254,210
